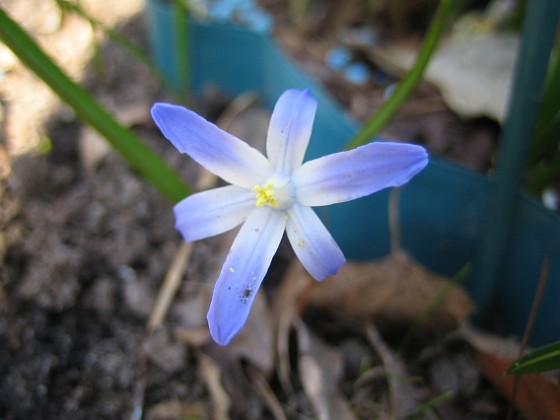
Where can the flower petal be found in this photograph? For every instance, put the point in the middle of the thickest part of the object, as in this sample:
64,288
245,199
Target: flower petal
290,129
243,272
348,175
219,152
212,212
312,242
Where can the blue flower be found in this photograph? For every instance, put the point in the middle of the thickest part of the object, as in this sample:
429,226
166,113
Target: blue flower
338,57
357,73
272,195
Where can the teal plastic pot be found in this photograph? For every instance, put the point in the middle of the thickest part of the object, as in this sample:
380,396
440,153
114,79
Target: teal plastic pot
441,211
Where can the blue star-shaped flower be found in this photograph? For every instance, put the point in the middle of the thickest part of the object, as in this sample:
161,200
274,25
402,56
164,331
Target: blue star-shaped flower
270,196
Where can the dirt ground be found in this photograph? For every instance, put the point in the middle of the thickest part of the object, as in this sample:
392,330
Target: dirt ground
86,244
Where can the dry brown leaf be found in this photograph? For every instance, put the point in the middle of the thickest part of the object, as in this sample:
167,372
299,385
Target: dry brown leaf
395,289
320,370
489,343
473,72
535,396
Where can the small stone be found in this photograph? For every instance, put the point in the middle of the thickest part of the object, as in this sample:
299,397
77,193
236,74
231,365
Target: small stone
457,373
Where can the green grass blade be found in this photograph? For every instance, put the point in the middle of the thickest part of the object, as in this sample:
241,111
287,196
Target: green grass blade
407,85
135,151
543,359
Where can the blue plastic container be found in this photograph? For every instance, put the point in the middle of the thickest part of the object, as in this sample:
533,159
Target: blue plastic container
441,210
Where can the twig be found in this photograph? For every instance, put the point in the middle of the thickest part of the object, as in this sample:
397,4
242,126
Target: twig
170,285
211,373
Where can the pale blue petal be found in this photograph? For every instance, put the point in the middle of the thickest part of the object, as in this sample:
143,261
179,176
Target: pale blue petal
243,272
348,175
290,129
312,242
212,212
221,153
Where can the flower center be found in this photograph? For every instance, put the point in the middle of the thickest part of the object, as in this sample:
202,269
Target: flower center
265,195
277,192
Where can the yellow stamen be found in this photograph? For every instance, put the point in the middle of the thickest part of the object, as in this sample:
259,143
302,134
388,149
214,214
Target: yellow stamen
265,195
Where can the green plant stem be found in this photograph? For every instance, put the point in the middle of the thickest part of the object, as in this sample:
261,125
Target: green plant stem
407,85
537,40
134,150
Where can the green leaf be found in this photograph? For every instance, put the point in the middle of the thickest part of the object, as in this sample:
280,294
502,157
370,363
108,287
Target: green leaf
543,359
137,153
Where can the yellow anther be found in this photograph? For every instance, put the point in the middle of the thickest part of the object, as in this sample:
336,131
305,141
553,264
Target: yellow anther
265,195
